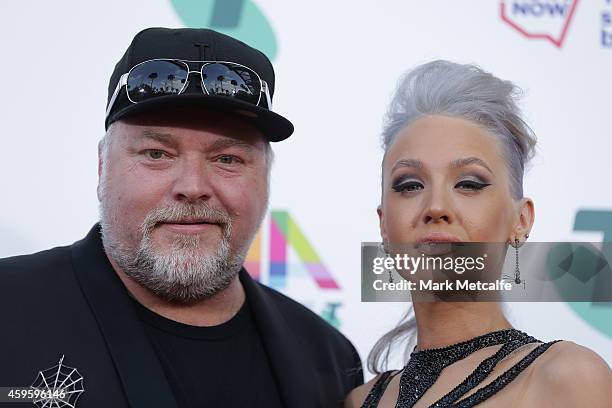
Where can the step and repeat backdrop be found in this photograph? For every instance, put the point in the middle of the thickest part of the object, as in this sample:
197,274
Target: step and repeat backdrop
337,63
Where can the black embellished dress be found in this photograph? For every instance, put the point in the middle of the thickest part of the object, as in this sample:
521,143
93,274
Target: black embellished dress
425,366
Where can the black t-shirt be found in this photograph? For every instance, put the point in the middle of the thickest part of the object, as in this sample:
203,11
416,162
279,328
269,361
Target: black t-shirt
217,366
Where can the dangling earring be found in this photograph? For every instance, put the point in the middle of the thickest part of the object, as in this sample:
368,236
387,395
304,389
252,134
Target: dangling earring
517,271
384,249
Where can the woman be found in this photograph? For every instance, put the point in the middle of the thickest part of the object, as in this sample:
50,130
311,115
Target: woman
455,152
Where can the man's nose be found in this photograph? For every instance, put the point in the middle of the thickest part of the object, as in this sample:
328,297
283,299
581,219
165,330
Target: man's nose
193,180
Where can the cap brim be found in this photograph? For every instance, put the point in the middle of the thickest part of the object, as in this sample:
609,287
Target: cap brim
274,126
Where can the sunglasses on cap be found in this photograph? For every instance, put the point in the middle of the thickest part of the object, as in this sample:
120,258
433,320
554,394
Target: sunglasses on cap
162,77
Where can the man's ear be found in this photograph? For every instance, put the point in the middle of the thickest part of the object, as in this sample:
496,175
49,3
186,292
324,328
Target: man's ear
100,166
526,217
382,224
100,159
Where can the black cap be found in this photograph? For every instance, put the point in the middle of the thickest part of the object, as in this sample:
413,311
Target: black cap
197,44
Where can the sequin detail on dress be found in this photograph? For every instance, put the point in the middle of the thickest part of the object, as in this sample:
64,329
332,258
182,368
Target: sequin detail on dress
425,366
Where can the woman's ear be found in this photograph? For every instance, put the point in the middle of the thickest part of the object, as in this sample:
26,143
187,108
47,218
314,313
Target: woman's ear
381,221
526,217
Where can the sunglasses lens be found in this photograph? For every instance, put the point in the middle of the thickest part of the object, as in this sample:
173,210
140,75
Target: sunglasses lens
227,79
156,78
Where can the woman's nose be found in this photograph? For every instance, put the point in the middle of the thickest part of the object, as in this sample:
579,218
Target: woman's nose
438,208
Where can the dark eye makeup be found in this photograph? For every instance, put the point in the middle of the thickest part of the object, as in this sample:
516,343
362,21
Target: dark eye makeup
408,184
472,185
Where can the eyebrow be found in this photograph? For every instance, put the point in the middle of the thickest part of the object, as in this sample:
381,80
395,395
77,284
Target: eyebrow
408,163
168,139
224,143
164,138
465,161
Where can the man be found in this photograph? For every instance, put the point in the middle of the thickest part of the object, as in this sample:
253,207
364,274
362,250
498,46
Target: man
153,308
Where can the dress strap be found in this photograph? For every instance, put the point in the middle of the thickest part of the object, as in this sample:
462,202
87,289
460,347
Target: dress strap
425,366
481,372
378,389
503,380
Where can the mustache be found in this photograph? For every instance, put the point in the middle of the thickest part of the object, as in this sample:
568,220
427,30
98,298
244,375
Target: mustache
186,213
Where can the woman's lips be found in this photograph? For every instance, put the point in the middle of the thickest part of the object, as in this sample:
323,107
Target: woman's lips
436,244
434,248
438,237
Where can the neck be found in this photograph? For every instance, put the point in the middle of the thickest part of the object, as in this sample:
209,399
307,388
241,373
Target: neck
440,324
212,311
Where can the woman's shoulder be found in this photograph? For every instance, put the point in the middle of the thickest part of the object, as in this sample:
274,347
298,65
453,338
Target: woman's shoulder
566,360
356,397
572,375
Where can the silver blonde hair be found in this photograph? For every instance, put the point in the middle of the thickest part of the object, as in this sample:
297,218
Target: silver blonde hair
466,92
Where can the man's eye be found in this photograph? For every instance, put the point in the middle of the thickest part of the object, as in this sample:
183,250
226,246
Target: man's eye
227,159
154,154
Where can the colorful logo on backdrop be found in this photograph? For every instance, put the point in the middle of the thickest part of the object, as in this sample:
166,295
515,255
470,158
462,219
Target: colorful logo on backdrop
240,19
282,257
597,315
547,20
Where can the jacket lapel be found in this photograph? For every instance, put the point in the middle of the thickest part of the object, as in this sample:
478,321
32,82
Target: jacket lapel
292,371
140,372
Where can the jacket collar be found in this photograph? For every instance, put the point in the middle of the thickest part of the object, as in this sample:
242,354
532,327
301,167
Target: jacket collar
140,372
292,370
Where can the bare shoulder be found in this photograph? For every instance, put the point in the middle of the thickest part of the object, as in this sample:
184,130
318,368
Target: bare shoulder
566,359
572,375
356,397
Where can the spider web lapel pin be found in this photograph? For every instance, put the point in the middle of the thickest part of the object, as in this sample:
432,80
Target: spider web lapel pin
60,386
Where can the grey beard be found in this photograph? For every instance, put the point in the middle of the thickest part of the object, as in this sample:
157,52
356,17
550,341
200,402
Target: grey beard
184,275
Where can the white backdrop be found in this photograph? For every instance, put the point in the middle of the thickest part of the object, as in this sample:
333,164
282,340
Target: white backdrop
337,64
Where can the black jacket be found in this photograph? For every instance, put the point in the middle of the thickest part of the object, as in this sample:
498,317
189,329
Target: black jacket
69,301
